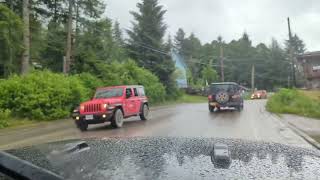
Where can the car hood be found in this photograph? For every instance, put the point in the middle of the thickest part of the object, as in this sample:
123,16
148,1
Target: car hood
114,100
172,158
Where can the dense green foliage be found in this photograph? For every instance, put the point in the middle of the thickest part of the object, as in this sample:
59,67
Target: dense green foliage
209,75
129,73
272,65
10,38
42,95
5,116
292,101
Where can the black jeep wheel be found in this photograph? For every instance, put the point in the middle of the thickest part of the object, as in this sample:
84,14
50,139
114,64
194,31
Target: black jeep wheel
211,109
239,108
145,112
117,119
83,126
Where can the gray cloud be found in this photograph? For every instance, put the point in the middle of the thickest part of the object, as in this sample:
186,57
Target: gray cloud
208,19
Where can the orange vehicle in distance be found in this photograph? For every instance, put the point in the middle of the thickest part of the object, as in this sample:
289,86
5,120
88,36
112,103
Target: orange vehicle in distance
259,94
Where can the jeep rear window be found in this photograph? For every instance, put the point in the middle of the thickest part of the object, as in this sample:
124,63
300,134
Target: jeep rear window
108,93
230,88
141,92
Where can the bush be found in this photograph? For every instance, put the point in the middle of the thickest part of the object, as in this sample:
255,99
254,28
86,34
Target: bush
130,74
293,102
42,95
90,82
4,118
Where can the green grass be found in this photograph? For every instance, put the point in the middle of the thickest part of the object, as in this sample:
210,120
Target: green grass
185,98
14,122
293,101
192,99
312,94
247,96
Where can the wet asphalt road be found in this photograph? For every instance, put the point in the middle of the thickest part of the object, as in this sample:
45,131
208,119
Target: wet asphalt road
184,120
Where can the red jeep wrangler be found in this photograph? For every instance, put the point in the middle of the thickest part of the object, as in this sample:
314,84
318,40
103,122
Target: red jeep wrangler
113,104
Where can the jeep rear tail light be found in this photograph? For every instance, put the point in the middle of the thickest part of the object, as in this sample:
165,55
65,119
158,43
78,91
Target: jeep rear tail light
210,97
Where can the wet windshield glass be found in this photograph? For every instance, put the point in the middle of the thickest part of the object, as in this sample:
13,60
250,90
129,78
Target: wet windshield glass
108,93
102,69
223,87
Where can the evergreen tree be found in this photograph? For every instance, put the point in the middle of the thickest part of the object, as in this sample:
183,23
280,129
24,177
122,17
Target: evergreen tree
298,45
146,40
11,40
118,46
168,45
179,40
117,34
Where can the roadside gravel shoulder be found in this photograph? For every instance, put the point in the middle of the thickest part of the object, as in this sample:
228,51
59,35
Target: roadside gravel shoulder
303,126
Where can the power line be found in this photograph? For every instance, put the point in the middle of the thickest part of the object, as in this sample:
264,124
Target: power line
152,49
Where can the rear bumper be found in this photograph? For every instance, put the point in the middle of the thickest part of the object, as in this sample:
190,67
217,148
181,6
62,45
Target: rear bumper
228,104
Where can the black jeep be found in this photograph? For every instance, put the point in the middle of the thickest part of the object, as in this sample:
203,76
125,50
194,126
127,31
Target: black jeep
223,95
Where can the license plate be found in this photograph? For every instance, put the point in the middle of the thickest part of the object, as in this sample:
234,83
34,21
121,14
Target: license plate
213,104
89,117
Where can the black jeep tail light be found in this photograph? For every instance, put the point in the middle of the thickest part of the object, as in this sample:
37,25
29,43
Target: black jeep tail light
211,97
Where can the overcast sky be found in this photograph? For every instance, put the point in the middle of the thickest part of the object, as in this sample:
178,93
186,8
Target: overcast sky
207,19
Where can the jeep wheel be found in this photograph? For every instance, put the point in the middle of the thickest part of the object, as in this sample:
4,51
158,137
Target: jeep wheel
117,119
211,109
145,112
83,126
239,108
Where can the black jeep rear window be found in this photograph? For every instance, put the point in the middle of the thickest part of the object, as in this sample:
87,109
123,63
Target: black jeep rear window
230,88
108,93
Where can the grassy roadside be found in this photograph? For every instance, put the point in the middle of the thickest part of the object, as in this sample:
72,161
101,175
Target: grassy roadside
292,101
185,98
312,94
14,122
247,96
192,99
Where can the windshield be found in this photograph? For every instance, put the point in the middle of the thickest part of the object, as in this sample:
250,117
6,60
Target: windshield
245,70
231,88
108,93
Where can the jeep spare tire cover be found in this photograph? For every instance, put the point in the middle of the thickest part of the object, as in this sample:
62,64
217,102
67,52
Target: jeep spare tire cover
222,97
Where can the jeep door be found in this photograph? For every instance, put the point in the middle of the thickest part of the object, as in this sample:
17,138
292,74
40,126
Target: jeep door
137,100
129,103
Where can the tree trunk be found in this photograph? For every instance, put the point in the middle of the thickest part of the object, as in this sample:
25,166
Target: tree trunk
55,13
26,38
69,31
75,36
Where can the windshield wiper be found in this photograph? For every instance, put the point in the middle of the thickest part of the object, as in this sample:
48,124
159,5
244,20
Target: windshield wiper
20,169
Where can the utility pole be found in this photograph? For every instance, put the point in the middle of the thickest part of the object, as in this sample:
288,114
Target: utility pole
221,62
293,71
252,77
